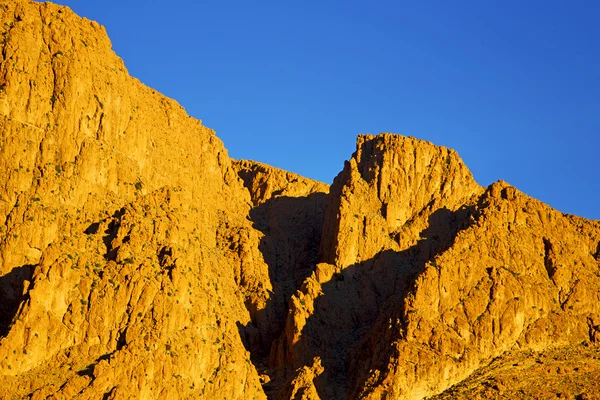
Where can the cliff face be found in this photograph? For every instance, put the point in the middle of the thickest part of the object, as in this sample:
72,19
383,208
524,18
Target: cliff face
519,276
126,255
137,259
426,277
386,193
397,203
406,309
288,212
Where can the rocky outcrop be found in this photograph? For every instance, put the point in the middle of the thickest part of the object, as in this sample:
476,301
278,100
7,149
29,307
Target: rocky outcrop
265,183
132,305
395,205
138,260
490,292
387,192
125,252
288,212
415,295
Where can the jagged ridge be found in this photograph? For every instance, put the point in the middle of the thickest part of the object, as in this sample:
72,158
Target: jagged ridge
138,259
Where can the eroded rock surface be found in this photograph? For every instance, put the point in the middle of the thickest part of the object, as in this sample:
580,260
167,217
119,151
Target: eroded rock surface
406,309
288,211
138,260
126,255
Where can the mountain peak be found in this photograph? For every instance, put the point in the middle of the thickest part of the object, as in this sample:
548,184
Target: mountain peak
137,259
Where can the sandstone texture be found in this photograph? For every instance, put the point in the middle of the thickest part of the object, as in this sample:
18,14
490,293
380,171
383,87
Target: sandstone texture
126,255
138,260
434,287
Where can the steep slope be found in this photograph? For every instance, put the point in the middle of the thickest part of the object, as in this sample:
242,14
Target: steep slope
520,276
424,285
375,240
138,260
288,211
125,254
386,193
157,319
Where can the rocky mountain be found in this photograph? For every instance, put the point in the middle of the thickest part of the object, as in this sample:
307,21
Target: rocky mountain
138,260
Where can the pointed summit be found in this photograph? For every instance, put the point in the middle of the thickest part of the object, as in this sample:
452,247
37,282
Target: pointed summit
390,186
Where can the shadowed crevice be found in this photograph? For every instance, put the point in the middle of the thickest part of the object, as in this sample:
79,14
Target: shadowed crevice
340,330
89,370
111,234
549,258
292,233
108,394
12,286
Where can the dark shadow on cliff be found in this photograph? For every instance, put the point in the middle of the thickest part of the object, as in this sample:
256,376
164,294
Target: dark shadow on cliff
292,227
353,300
110,233
597,253
11,294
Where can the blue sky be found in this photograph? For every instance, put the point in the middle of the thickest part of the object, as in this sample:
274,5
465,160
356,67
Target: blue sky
513,86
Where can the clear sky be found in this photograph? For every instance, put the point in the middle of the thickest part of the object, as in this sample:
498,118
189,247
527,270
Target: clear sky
513,86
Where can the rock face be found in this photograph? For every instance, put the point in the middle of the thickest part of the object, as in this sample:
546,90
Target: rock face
138,260
126,255
406,309
288,211
518,275
386,193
